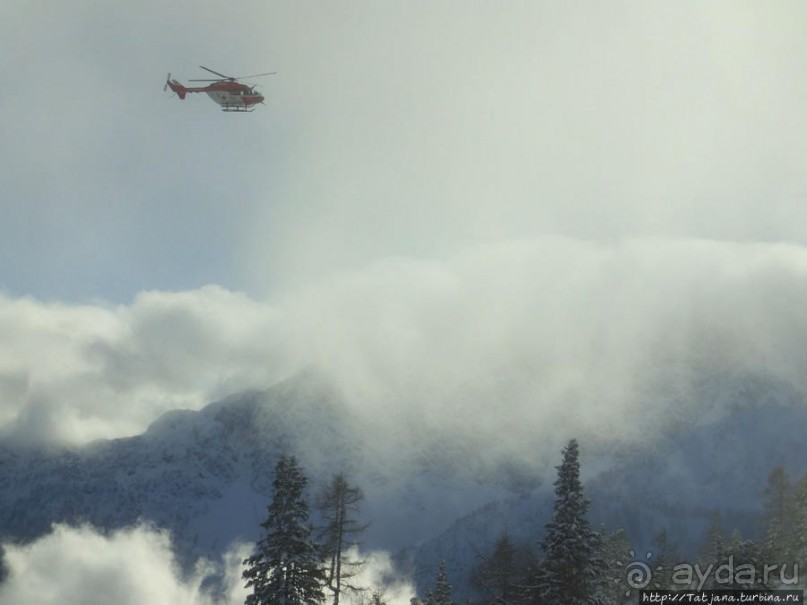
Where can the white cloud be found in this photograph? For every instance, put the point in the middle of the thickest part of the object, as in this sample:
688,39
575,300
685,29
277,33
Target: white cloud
79,566
448,127
377,574
136,566
515,338
79,372
519,339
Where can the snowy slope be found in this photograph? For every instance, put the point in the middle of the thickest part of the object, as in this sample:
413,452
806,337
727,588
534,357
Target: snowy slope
206,476
676,484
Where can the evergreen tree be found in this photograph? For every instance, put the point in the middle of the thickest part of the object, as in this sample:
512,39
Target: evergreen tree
798,509
339,504
775,501
737,563
441,595
616,554
714,549
666,557
285,568
572,569
495,576
747,565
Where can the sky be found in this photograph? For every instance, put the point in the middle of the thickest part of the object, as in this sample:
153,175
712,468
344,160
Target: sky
391,129
572,213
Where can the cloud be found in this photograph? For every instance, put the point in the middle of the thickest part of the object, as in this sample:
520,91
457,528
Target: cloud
478,220
378,574
489,123
532,339
79,566
543,339
79,372
136,566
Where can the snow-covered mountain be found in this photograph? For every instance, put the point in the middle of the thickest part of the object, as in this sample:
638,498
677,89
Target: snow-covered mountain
676,484
206,476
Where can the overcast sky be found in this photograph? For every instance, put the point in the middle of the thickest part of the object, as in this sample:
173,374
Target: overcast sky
413,129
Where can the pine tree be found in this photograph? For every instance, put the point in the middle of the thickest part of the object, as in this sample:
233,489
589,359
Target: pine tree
775,500
798,510
441,595
714,551
495,576
666,557
285,568
572,568
616,554
339,504
747,566
714,548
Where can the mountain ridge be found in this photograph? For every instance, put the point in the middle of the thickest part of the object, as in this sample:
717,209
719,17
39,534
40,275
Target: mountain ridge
206,476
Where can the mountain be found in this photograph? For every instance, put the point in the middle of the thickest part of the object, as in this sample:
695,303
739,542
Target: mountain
206,477
674,485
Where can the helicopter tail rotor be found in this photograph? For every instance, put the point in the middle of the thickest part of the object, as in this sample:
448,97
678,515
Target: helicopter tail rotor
167,80
175,86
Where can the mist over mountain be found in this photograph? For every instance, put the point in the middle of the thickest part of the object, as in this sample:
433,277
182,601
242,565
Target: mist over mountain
675,484
205,476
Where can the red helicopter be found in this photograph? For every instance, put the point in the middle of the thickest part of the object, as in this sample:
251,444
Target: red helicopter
227,91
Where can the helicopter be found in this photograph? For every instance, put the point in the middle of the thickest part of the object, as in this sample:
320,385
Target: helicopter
227,91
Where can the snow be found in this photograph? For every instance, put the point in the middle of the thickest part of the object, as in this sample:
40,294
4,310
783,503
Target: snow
206,478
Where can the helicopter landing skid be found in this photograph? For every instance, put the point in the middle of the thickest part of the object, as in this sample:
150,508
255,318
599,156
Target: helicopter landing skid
238,108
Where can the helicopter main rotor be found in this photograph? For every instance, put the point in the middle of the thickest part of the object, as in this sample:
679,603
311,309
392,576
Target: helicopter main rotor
229,78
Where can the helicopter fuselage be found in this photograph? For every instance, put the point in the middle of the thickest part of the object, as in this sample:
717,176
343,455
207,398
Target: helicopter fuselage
232,96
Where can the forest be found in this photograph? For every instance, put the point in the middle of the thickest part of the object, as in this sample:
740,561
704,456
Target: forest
572,563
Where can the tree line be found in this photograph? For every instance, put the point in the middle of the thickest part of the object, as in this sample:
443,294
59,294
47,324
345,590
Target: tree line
295,565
